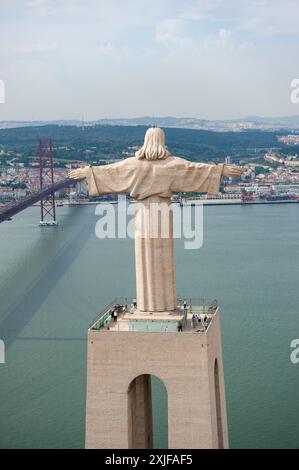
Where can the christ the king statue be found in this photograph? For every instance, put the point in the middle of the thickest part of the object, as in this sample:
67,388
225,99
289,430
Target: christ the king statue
152,177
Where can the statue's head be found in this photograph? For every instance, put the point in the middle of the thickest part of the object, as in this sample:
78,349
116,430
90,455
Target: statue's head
154,145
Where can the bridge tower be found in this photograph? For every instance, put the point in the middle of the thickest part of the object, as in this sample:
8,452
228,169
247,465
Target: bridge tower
46,178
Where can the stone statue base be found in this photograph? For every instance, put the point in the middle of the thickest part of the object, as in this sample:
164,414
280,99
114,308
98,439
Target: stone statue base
189,362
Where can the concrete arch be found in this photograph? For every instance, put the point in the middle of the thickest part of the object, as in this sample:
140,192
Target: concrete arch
140,411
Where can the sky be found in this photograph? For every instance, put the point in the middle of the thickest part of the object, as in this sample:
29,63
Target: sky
210,59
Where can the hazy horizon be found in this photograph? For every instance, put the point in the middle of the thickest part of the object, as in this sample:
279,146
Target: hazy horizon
202,59
119,118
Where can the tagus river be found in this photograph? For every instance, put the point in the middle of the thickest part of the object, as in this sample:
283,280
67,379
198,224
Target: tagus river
54,280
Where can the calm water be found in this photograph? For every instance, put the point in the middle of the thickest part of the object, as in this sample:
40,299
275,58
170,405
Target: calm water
53,281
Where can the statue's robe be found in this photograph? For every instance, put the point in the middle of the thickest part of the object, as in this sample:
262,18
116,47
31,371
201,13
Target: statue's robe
154,181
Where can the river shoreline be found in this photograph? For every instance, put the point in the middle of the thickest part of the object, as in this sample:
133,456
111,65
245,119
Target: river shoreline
190,202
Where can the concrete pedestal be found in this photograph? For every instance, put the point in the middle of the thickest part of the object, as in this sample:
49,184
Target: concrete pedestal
118,414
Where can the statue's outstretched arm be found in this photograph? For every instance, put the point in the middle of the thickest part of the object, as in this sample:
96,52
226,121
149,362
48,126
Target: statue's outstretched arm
203,177
232,171
79,173
114,178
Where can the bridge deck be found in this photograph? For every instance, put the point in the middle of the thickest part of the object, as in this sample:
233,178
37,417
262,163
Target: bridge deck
9,210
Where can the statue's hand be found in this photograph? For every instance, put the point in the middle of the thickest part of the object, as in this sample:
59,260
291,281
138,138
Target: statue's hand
232,170
79,173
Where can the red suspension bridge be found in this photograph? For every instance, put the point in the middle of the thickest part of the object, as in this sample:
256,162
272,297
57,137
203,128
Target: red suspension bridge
46,192
9,210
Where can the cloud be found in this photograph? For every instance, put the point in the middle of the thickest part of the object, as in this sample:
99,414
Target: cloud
208,10
36,3
272,18
224,40
168,30
55,7
262,17
107,48
28,48
115,52
212,58
38,47
174,34
224,35
195,13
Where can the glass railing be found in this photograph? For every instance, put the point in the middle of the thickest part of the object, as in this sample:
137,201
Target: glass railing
104,317
124,305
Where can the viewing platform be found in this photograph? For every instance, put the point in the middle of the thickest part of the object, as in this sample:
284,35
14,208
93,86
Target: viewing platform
195,317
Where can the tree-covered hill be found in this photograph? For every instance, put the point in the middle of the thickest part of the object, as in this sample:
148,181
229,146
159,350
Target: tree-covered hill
106,142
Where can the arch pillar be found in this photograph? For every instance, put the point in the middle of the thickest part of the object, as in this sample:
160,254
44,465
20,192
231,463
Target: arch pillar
140,421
